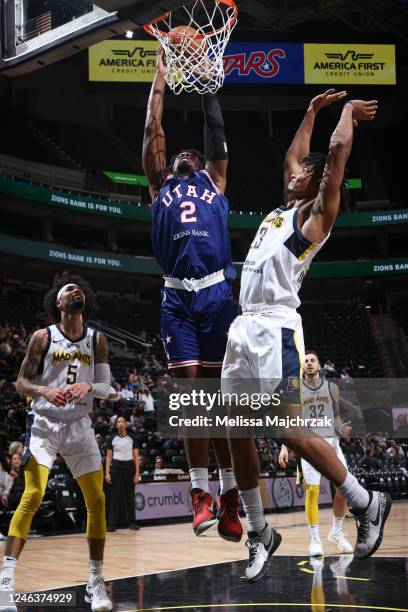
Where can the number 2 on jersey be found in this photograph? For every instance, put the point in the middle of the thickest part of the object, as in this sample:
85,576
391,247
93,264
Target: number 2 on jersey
186,215
317,412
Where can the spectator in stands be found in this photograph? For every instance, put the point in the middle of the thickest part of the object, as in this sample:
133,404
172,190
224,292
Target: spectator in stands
16,447
345,377
370,462
122,472
329,369
18,483
11,425
143,467
396,452
148,404
160,469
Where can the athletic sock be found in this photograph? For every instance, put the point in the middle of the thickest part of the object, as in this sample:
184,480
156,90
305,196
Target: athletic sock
8,567
227,480
95,569
356,495
252,502
314,531
337,524
199,479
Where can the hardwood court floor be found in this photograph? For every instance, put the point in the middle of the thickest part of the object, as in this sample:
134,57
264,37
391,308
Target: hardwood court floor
59,561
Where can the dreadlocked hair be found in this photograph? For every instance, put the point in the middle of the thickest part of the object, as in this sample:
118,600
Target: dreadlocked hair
201,158
50,300
317,161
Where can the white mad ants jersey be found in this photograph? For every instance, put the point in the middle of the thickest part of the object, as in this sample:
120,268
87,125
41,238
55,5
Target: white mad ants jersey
277,262
65,363
318,403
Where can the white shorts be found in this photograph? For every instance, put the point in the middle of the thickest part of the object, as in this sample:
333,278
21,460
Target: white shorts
73,440
265,344
310,474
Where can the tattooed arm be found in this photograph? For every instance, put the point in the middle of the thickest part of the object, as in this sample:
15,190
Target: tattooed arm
29,370
326,206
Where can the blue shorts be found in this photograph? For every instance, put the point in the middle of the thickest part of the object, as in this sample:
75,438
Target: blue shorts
195,325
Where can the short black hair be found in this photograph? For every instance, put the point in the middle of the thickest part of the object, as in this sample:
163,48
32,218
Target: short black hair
201,158
317,161
312,352
50,300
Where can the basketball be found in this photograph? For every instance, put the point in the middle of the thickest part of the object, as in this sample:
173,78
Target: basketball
190,41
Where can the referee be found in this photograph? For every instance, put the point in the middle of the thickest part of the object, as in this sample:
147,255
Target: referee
122,472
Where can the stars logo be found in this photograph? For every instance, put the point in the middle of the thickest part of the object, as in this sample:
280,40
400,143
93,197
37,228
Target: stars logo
168,339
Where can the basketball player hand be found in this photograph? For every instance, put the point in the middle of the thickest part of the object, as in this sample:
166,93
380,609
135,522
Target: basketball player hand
326,98
364,110
54,395
283,456
161,68
77,392
344,429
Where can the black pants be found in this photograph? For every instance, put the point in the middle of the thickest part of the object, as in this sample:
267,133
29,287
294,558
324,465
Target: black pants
122,474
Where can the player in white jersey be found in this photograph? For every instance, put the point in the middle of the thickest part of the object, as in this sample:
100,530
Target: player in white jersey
65,367
266,341
320,399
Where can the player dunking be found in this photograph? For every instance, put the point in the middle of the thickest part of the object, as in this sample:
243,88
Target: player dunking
65,367
320,398
266,342
191,243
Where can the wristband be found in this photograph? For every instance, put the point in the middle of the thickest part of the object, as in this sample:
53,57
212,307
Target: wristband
349,102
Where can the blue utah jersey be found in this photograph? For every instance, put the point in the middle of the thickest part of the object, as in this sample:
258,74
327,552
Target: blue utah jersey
189,230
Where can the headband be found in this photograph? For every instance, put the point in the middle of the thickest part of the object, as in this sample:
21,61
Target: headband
62,290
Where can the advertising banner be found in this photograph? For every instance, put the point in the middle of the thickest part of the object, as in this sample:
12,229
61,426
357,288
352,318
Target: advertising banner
245,221
160,500
123,60
350,63
263,63
257,62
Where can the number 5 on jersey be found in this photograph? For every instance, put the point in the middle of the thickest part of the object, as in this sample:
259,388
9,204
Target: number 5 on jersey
72,374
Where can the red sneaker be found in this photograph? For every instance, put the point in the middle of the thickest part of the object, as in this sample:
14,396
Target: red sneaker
229,525
203,509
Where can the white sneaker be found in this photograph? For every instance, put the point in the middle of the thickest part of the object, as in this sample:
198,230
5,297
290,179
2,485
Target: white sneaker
7,595
96,595
3,537
370,524
261,548
316,548
340,539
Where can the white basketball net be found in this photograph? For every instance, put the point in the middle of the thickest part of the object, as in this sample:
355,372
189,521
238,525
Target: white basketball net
194,59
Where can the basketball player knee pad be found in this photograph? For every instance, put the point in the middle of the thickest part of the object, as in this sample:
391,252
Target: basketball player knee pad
312,504
92,488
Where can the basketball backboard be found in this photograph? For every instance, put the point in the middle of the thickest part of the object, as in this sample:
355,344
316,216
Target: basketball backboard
34,33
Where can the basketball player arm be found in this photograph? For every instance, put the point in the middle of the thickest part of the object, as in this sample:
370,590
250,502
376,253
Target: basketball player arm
300,146
154,141
29,370
283,456
215,142
341,427
326,206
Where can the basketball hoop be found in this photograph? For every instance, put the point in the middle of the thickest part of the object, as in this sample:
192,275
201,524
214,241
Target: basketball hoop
194,38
